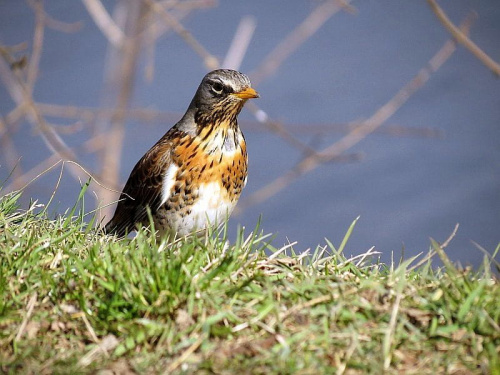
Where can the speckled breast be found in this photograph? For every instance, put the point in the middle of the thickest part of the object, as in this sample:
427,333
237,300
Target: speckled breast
203,182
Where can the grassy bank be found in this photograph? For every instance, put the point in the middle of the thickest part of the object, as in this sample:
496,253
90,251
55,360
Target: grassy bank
74,301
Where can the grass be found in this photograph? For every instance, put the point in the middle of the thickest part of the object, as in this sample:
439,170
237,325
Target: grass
75,301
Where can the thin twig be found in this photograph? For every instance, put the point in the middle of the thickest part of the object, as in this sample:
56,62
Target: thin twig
157,27
451,236
89,114
14,117
36,52
210,61
144,115
22,96
123,63
307,28
54,24
392,130
105,23
280,130
10,152
239,45
463,39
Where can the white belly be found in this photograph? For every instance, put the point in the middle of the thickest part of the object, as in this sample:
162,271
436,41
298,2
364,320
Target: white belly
212,208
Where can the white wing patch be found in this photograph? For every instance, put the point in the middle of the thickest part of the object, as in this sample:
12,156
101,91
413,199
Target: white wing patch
168,182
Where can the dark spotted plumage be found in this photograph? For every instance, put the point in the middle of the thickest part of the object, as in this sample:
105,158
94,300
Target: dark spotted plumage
193,176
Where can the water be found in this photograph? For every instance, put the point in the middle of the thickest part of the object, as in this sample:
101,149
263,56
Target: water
405,189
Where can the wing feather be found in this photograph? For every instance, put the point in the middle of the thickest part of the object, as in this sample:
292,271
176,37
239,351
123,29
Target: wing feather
143,188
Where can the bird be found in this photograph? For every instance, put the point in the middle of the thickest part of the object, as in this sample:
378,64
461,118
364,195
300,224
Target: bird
192,178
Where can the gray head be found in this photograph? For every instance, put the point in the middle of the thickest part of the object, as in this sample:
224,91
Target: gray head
221,95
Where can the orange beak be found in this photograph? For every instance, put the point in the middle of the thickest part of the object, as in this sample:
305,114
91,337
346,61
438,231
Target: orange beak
247,93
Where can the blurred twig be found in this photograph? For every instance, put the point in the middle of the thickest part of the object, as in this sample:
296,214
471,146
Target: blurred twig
463,39
239,45
388,130
319,15
359,133
145,115
20,89
10,152
22,97
210,61
88,114
158,27
54,24
122,68
103,20
20,94
36,53
190,4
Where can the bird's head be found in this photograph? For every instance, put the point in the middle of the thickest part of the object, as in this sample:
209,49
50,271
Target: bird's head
221,96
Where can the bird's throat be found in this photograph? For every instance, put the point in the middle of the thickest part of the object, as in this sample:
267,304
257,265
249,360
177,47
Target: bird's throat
225,138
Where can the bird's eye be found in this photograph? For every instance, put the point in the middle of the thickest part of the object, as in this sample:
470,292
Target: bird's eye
217,88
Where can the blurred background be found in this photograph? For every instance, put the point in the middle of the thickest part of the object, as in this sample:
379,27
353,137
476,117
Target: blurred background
367,109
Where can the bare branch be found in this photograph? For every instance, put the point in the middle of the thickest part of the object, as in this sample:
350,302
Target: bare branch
89,114
22,97
463,39
239,45
123,62
210,61
144,115
52,23
103,20
322,13
36,52
10,152
191,4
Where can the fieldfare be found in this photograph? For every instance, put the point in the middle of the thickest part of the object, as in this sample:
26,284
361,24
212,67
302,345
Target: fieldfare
193,176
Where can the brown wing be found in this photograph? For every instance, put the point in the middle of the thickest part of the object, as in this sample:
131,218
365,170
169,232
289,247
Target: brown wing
143,188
